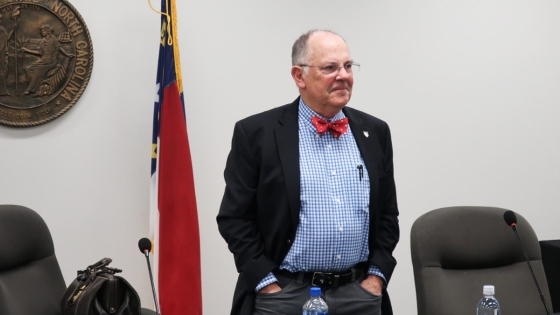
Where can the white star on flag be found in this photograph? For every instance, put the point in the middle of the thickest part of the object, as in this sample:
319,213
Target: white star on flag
156,99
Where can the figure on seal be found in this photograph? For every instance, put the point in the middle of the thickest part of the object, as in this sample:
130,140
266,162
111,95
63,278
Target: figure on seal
4,39
47,65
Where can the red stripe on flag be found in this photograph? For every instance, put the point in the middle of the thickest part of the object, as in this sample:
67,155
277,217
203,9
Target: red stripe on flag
179,241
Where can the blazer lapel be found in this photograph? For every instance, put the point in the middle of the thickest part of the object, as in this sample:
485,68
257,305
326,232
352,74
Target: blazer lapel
287,141
366,141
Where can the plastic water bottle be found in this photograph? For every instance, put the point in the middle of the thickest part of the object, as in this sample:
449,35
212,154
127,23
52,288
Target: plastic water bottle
315,305
488,305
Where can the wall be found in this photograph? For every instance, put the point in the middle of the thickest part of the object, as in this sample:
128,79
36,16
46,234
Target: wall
469,88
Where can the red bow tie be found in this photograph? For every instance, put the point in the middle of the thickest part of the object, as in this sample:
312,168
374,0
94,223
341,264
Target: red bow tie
337,127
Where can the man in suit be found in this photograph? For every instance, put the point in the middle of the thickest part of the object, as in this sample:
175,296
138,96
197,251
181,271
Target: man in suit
310,196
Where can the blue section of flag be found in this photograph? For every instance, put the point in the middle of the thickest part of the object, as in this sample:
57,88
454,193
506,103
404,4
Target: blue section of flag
166,75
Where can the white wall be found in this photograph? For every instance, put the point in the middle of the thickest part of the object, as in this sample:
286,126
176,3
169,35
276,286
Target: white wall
469,88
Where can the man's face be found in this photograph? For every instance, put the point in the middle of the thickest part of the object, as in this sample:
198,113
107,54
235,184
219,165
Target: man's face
327,93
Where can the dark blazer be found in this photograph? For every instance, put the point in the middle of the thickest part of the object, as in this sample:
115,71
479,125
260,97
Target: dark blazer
259,213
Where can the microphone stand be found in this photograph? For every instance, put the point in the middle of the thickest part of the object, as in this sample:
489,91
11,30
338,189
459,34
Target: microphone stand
513,226
146,253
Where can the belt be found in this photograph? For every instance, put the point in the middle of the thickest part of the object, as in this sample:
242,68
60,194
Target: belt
327,279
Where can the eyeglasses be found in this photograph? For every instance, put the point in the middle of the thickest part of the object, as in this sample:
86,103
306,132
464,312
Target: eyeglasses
332,68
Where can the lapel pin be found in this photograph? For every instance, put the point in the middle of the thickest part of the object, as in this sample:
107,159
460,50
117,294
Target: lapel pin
366,134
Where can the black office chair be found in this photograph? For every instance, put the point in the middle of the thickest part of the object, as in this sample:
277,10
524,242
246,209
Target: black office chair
457,250
30,278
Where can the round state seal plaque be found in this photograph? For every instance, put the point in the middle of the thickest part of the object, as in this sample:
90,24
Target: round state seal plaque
46,58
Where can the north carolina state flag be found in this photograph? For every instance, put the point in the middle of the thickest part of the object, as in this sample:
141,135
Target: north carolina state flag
174,218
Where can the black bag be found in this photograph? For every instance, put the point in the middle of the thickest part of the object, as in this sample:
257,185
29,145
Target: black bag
97,291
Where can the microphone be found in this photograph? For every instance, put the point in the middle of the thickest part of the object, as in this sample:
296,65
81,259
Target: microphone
145,246
509,216
511,220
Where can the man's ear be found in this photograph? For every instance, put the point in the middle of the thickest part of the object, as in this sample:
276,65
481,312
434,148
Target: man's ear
297,74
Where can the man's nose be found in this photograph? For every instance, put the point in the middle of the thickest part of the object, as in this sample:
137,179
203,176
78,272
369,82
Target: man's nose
343,74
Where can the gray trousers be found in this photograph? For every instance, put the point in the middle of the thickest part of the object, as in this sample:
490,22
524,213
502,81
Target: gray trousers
349,299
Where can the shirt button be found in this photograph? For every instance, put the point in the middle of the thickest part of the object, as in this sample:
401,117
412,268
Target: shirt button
333,172
289,241
329,146
338,256
337,200
341,229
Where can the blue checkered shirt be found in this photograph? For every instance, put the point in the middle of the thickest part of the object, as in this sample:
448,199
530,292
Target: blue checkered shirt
332,235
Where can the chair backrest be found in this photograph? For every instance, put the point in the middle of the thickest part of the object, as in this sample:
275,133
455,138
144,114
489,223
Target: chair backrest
458,250
30,278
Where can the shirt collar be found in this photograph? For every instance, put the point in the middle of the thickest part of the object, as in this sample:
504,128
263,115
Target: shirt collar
305,113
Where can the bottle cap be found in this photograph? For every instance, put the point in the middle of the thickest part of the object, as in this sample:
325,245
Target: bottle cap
315,291
488,290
